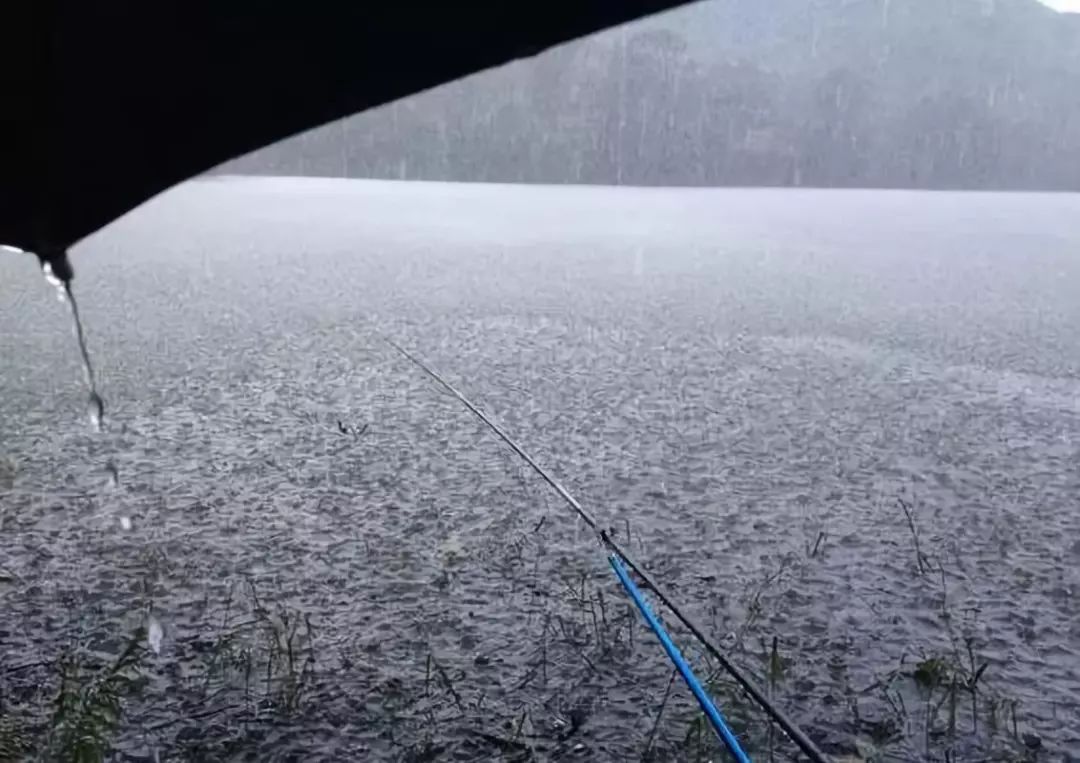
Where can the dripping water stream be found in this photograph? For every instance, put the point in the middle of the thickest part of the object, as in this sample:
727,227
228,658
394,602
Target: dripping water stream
95,403
58,273
96,406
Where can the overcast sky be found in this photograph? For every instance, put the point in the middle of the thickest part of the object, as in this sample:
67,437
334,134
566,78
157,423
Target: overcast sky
1064,5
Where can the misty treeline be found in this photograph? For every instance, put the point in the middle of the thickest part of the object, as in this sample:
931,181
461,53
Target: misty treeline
891,93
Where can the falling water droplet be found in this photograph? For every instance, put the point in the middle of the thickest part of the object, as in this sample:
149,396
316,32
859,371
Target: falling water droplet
154,634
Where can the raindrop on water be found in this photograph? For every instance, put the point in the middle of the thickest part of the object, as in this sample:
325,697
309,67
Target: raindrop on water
113,472
154,634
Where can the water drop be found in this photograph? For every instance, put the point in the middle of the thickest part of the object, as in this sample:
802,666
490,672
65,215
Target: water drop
95,408
54,280
113,472
154,634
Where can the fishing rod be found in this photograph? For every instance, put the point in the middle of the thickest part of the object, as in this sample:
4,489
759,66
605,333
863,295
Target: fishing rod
797,735
727,736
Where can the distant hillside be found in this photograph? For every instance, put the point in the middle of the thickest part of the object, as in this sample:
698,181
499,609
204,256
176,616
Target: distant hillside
891,93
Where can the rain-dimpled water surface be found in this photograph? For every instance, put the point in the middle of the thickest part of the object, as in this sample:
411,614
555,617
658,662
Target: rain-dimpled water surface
846,421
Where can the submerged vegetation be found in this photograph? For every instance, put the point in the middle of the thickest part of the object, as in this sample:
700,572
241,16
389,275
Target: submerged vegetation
90,700
940,705
260,658
261,664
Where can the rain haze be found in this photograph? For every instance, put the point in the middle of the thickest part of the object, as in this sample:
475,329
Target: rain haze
1065,6
785,294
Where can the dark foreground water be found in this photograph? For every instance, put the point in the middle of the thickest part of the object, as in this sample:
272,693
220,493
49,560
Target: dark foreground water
344,565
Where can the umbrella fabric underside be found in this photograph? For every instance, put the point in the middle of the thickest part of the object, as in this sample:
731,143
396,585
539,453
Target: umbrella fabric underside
106,104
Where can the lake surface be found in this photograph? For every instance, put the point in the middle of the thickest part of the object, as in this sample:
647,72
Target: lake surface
743,384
